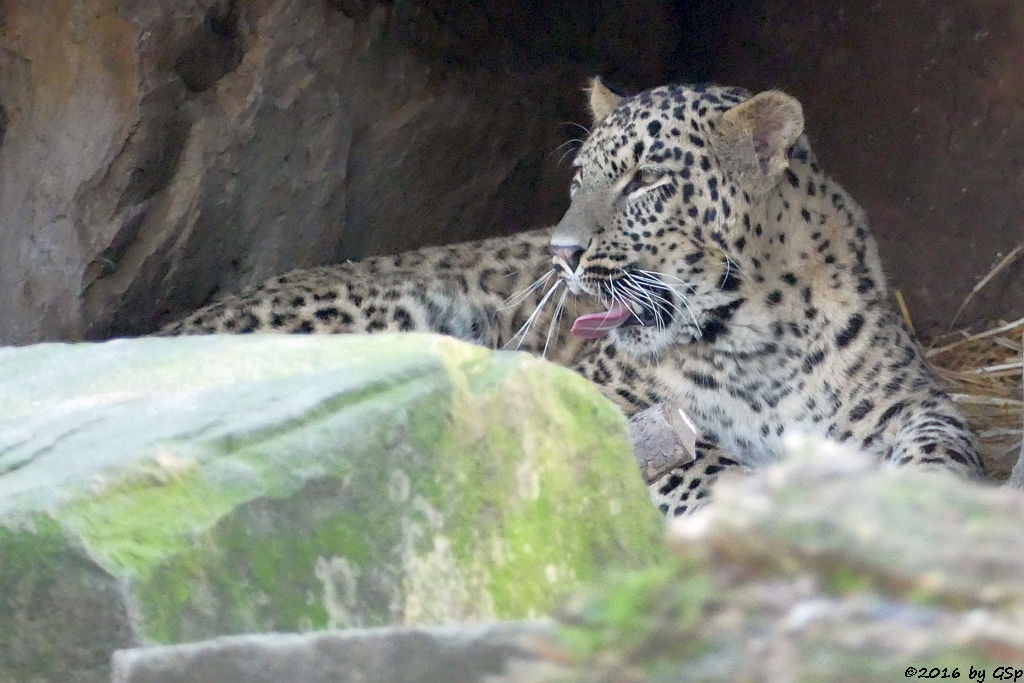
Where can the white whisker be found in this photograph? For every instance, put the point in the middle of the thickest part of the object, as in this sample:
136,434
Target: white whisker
556,320
656,275
585,130
615,297
651,279
568,151
521,334
635,288
519,297
567,142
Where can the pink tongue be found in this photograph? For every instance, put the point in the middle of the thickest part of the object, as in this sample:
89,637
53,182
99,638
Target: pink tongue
597,325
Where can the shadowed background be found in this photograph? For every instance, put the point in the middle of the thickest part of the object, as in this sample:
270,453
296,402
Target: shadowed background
154,155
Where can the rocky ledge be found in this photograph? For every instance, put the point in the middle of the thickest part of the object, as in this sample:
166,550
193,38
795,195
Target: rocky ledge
171,490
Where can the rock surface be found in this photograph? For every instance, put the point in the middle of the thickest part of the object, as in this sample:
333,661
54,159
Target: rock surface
824,567
155,153
917,108
166,490
441,654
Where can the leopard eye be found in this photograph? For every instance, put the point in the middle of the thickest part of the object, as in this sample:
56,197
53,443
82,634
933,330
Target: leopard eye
575,185
641,179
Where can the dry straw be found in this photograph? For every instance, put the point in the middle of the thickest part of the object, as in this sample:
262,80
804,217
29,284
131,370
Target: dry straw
984,373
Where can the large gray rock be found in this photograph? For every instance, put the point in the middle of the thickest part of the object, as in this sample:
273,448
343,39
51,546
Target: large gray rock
153,153
167,490
824,567
440,654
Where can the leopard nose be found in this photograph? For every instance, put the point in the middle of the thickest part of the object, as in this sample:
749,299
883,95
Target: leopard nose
569,255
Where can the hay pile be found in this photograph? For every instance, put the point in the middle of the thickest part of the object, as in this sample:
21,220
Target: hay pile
984,373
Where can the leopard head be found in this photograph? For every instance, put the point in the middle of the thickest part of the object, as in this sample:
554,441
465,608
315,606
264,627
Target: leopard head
665,185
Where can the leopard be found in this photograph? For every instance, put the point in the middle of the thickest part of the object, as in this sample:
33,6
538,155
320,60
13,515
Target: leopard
707,262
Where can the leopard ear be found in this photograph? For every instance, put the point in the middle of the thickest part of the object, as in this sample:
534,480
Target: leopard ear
602,100
753,138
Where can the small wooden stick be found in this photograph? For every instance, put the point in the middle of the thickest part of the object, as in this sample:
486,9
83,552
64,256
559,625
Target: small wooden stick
663,438
1006,261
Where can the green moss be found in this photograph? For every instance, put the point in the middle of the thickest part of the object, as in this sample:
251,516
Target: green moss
141,520
543,550
262,576
44,578
191,541
844,580
920,595
260,568
257,525
30,567
646,617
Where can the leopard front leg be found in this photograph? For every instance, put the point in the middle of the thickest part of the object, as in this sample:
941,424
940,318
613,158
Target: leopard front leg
687,487
936,438
634,388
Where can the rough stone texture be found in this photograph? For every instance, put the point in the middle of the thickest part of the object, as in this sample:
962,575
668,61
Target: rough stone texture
442,654
165,490
158,152
155,154
917,107
825,567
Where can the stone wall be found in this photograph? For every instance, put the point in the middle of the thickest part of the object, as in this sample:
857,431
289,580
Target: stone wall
154,155
917,107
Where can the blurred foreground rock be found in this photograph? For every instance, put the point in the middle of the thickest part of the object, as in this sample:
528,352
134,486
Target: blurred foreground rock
825,567
450,654
171,490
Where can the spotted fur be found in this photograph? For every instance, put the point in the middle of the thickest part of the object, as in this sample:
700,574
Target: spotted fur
483,292
737,279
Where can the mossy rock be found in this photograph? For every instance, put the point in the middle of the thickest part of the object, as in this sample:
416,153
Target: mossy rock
166,490
827,566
